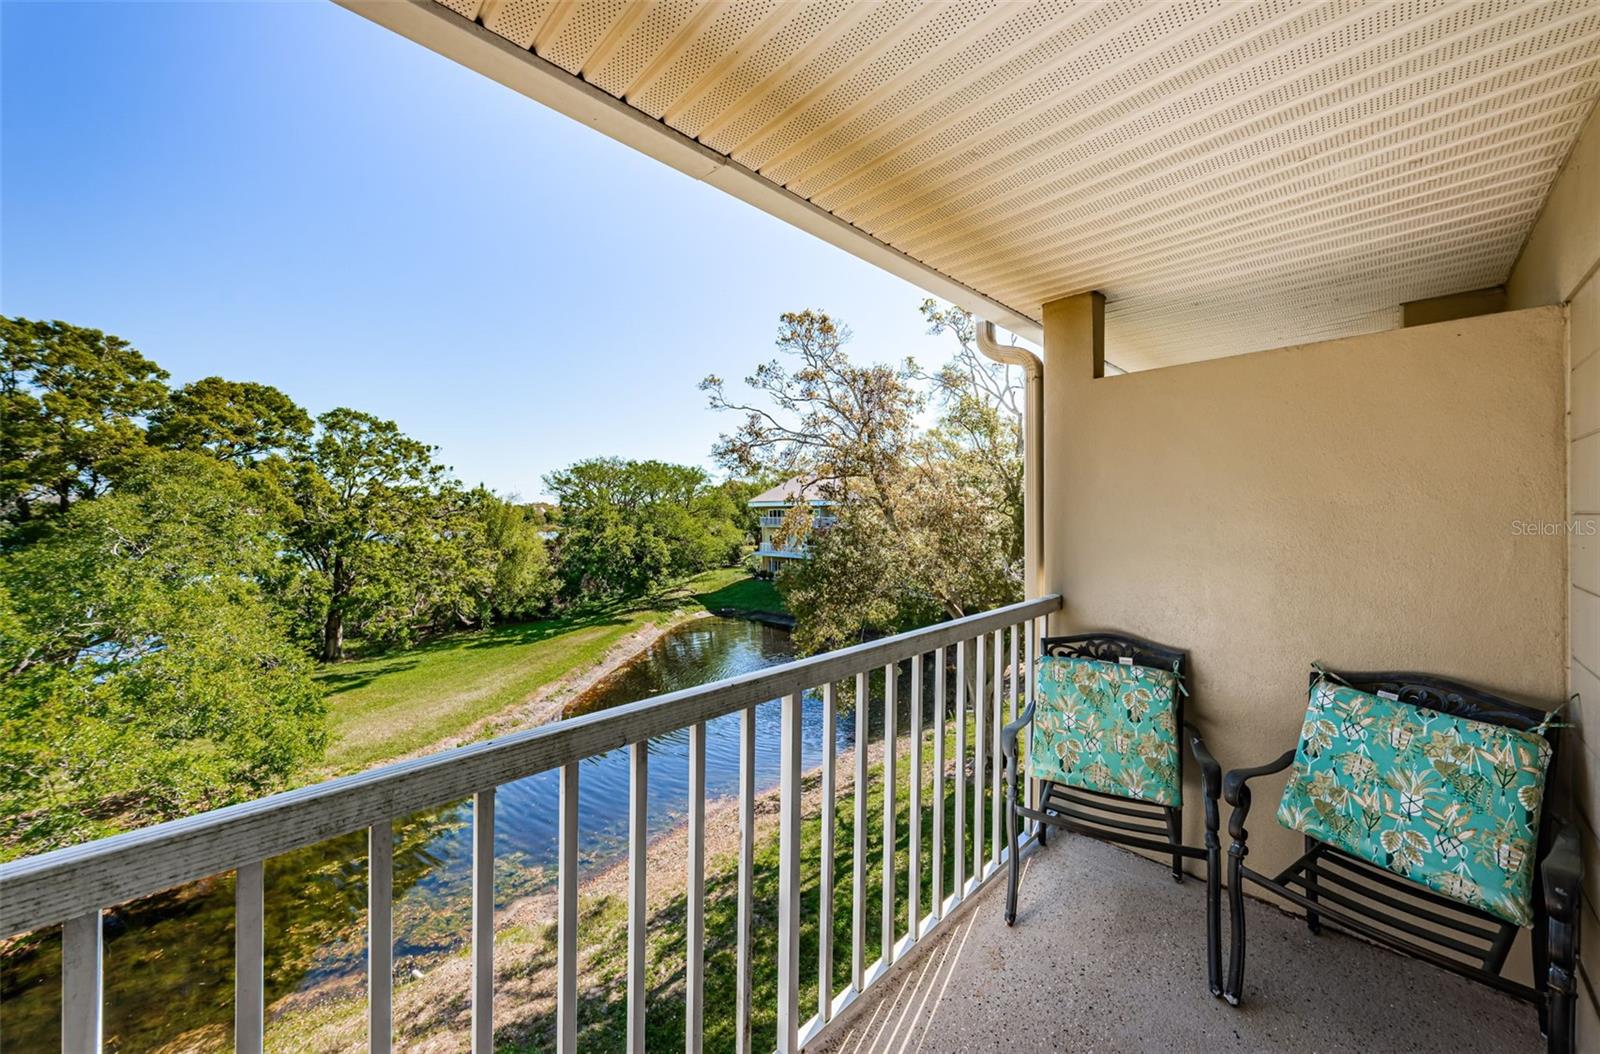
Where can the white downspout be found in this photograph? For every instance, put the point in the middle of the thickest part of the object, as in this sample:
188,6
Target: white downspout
1032,452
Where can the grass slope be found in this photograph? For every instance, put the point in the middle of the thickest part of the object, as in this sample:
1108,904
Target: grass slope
394,704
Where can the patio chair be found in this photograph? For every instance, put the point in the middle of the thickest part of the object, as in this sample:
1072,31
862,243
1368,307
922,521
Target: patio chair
1107,716
1422,805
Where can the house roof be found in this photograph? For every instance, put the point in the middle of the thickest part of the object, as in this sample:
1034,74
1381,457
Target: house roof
1232,174
790,492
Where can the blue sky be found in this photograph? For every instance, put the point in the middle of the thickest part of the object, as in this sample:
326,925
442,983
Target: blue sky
290,194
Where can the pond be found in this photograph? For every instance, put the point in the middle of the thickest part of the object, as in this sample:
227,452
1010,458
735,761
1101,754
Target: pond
169,969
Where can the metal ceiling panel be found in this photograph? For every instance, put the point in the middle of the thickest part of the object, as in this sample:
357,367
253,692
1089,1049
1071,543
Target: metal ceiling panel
1232,174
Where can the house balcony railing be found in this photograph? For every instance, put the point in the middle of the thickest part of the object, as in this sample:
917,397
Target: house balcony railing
793,552
776,519
75,885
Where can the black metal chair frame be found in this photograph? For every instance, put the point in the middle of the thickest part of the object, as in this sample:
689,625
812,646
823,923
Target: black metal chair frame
1113,818
1326,882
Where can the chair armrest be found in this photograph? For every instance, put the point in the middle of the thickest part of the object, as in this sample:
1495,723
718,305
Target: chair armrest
1236,788
1562,871
1008,734
1210,771
1233,785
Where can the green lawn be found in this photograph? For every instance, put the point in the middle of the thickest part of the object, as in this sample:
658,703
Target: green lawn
733,590
394,704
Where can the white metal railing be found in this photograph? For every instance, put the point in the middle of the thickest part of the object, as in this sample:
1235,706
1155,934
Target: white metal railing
74,886
768,549
776,519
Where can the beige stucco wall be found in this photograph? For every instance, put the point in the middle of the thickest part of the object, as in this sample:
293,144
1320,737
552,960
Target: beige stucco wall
1352,501
1559,265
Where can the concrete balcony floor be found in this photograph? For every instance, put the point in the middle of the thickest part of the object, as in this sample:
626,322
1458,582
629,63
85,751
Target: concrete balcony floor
1108,955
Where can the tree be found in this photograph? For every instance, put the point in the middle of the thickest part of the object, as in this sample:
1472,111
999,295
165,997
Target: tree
521,584
736,494
828,419
380,532
929,522
73,400
603,554
144,674
629,527
967,374
854,585
237,421
982,419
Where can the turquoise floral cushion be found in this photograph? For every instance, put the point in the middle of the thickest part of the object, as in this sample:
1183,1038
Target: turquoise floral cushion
1442,800
1107,727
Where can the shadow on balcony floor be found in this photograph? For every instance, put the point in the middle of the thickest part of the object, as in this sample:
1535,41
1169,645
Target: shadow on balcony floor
1108,955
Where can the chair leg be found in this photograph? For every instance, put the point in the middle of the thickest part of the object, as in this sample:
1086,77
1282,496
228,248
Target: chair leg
1044,796
1175,837
1313,916
1213,913
1558,1009
1013,868
1558,915
1236,918
1555,957
1238,794
1541,955
1559,972
1213,878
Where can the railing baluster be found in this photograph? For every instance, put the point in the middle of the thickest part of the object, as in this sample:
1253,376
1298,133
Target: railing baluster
825,911
567,913
747,858
483,922
82,951
1013,673
938,783
890,702
858,853
914,843
42,890
380,938
638,866
695,966
997,834
980,654
1031,642
789,877
81,990
249,959
960,851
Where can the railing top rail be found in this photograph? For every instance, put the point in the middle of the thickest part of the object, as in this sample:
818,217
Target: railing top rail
45,889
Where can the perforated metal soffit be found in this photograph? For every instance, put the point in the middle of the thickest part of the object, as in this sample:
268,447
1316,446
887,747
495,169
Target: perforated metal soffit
1232,175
